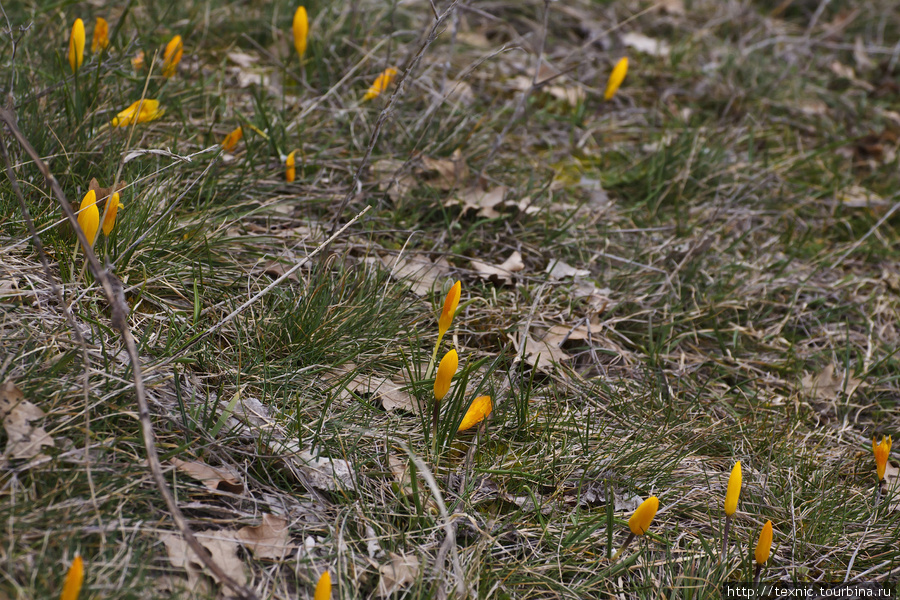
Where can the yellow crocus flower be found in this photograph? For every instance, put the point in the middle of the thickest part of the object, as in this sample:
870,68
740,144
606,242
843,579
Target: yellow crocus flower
381,83
76,45
616,78
301,31
89,216
290,171
110,220
323,588
100,41
231,140
734,489
481,408
139,112
882,451
172,56
764,545
74,579
451,302
639,523
446,371
137,62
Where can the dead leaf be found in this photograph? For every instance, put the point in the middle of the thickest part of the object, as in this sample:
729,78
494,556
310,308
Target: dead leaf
269,540
647,45
102,192
241,59
826,385
446,173
861,57
222,547
538,353
482,201
502,273
557,269
401,571
395,184
418,271
389,393
215,478
400,469
25,440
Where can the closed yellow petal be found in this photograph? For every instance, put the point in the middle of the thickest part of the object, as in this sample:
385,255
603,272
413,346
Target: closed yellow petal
139,112
764,545
882,453
74,579
323,588
640,521
232,139
481,407
290,171
172,56
446,371
110,220
616,78
76,45
734,489
451,302
89,216
381,83
100,41
301,31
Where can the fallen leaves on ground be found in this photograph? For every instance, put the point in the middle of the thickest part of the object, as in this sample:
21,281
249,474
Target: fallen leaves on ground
215,478
539,353
446,173
401,571
222,547
484,202
826,385
25,440
558,269
647,45
501,274
417,270
268,540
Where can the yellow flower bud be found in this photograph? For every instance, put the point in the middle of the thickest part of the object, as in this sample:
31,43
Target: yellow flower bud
734,489
89,216
381,83
450,304
445,373
290,172
323,588
172,56
74,579
301,31
640,521
764,545
481,408
139,112
882,452
231,140
100,41
76,45
110,220
616,78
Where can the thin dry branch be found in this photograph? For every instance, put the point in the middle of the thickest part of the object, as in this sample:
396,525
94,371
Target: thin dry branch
112,289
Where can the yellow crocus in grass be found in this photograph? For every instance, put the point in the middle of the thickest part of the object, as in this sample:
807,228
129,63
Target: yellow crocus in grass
290,171
231,140
381,83
172,56
616,78
323,588
451,302
100,41
89,216
764,545
481,408
110,220
640,520
446,371
882,451
639,523
763,548
74,579
139,112
301,31
734,489
76,45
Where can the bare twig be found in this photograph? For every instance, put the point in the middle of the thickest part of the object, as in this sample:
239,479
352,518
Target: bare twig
112,289
387,110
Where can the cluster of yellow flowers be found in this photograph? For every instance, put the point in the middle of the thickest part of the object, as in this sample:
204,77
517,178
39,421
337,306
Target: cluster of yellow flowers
89,215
